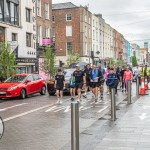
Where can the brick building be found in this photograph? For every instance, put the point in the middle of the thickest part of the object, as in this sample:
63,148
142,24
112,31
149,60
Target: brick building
72,31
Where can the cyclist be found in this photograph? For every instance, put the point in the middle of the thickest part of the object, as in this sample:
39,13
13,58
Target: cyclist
79,81
59,85
87,73
95,76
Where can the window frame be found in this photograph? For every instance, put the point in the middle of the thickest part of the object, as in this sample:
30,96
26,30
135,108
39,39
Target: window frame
28,44
69,48
47,11
15,36
68,17
28,19
68,32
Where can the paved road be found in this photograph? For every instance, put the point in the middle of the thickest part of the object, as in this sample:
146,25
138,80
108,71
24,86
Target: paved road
37,123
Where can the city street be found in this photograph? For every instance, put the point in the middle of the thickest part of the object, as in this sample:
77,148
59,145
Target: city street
37,123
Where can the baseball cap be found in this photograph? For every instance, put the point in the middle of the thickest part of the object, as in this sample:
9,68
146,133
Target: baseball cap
77,65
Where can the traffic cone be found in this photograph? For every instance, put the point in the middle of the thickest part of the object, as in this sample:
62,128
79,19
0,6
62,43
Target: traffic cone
142,90
146,84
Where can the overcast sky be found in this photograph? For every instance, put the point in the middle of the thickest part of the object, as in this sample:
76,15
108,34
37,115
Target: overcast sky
129,17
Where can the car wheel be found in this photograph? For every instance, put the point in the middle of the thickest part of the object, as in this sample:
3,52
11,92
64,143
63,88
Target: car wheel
23,94
43,90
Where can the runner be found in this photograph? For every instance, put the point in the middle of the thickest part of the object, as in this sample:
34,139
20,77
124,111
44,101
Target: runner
112,80
127,77
72,87
87,73
79,81
95,76
122,80
101,81
59,85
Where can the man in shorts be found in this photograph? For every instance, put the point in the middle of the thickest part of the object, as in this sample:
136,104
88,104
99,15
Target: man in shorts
87,73
59,85
95,76
79,81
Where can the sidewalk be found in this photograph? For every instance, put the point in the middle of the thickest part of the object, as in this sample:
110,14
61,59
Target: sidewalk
132,131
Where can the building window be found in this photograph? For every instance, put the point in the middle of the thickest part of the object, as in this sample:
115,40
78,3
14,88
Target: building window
53,32
68,30
89,33
28,39
89,20
68,17
28,15
38,7
39,34
1,10
14,37
93,35
86,51
13,13
85,18
53,18
46,11
47,33
69,48
85,31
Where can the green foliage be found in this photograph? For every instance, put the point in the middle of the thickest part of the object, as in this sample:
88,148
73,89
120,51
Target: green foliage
7,61
134,61
117,63
48,65
73,58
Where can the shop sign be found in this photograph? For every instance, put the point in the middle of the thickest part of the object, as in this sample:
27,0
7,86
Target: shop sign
26,60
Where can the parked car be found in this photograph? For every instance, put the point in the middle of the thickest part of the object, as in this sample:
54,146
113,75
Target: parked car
50,85
21,85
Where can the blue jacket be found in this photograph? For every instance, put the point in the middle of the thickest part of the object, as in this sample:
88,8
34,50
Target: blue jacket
112,81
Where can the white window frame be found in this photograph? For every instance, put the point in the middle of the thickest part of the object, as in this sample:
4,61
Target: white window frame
46,11
38,8
39,28
68,15
68,31
47,33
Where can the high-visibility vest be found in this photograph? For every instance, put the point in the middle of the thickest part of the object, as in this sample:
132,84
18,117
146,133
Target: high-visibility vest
147,71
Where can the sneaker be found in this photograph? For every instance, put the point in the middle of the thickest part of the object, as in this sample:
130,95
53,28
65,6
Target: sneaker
78,100
108,93
96,99
84,96
58,101
101,96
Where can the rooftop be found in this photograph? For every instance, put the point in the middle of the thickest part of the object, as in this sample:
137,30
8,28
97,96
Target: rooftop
63,5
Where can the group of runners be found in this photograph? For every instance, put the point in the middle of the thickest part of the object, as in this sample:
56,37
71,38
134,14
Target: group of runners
93,79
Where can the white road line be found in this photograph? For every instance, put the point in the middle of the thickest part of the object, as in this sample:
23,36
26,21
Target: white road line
102,109
50,109
60,108
67,109
4,109
26,113
81,108
86,108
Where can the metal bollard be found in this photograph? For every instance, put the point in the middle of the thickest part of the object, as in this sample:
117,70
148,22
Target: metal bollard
75,126
113,105
129,92
137,86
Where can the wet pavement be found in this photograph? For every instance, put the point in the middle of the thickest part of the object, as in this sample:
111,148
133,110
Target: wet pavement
37,123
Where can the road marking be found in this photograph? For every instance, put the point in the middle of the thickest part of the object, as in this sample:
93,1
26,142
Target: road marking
4,109
86,108
67,109
52,108
60,108
102,109
80,108
143,116
26,113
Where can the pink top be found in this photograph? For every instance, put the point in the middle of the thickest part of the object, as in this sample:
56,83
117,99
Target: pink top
106,75
128,75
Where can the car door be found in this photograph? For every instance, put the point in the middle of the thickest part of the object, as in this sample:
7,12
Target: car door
37,82
30,86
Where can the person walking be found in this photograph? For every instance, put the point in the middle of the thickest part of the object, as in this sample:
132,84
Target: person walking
87,73
112,80
95,76
106,78
72,87
101,81
122,79
128,76
145,72
79,81
59,85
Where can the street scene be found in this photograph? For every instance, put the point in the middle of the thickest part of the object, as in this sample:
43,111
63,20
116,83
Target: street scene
74,75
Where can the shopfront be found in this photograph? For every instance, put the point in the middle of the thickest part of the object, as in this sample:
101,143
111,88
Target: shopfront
27,65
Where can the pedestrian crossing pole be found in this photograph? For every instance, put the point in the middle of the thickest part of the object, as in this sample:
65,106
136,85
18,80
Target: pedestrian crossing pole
129,92
113,105
75,125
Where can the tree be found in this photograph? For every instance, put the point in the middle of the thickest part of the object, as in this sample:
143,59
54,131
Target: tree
73,58
7,61
48,65
134,61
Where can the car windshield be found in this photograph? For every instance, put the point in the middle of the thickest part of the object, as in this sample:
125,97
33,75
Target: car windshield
68,73
15,79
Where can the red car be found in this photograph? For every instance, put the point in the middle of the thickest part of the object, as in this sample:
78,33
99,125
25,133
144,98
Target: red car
22,85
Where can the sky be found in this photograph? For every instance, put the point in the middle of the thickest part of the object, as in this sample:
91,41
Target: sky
129,17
